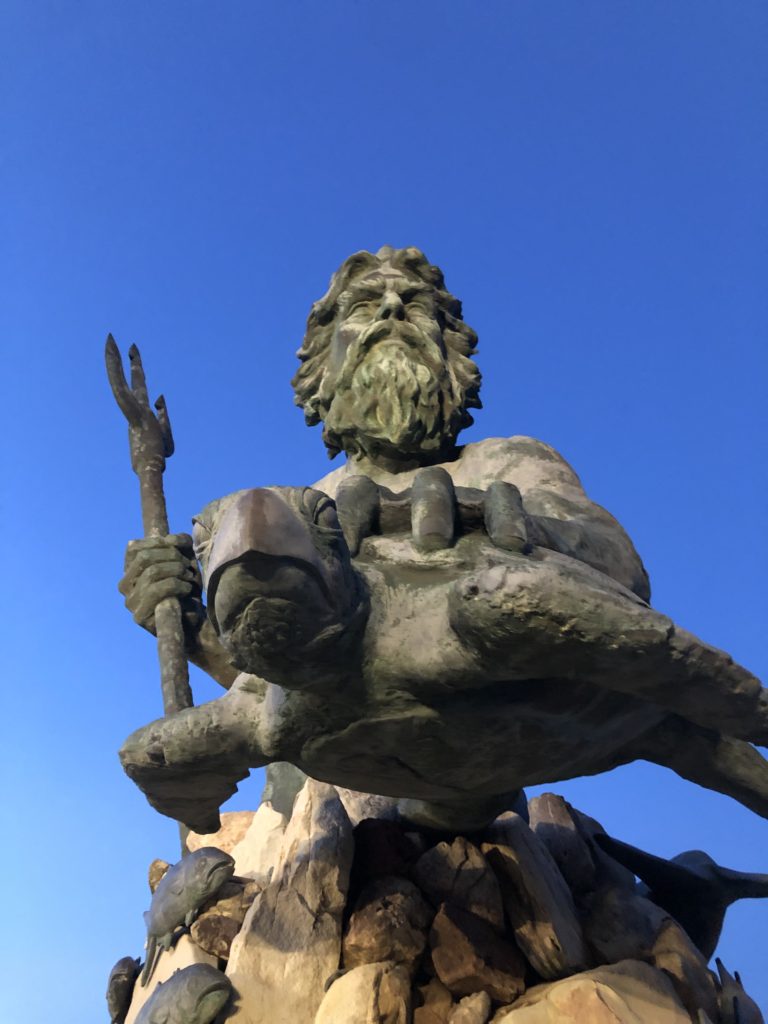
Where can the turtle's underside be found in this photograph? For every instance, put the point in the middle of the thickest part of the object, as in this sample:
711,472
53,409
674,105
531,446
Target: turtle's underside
448,676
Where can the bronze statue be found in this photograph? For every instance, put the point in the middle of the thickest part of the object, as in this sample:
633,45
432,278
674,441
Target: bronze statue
182,891
437,623
192,995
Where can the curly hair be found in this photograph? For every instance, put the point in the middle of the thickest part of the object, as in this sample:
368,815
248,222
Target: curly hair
459,338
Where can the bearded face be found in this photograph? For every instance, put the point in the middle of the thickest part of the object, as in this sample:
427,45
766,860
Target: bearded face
389,388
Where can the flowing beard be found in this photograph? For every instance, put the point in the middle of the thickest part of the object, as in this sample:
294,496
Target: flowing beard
393,402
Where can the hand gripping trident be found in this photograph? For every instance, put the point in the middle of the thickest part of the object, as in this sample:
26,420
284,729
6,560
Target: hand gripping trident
151,444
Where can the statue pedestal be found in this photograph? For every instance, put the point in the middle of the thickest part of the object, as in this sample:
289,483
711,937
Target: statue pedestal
353,919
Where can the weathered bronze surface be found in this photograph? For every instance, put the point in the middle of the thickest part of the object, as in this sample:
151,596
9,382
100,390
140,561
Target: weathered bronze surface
182,890
436,623
193,995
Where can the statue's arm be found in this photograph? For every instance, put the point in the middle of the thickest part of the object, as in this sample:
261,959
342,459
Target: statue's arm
160,567
561,517
592,536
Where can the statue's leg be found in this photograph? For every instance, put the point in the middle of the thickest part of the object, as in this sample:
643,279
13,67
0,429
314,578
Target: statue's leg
558,619
703,756
189,763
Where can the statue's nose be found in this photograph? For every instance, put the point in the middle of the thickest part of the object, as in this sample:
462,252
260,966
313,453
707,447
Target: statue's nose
391,307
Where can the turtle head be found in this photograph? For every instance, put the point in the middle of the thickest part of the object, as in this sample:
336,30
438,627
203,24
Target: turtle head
283,595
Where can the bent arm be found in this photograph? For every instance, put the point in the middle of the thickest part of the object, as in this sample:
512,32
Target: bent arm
596,539
561,516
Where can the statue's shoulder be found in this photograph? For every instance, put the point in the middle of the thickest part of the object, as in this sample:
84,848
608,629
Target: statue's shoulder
329,484
530,464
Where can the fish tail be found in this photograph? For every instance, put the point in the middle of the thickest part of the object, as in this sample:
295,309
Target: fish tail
149,965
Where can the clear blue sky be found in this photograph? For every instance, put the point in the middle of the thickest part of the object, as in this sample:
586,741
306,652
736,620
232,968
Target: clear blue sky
590,176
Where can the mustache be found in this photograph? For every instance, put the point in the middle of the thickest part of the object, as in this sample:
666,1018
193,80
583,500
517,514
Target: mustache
415,339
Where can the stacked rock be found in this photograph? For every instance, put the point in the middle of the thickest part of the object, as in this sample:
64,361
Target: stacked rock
335,916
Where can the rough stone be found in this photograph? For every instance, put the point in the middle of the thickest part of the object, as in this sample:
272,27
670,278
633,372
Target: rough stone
458,873
293,929
360,806
182,954
220,919
368,994
674,953
629,992
156,873
469,956
234,825
382,848
554,823
434,1003
256,851
623,925
691,887
609,871
619,924
474,1009
284,782
538,903
389,923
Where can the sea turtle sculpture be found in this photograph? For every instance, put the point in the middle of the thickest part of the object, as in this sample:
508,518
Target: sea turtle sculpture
439,624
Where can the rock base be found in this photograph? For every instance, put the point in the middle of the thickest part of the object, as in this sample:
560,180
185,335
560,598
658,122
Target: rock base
340,919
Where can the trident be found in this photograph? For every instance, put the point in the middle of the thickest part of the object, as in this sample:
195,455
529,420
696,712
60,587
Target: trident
151,443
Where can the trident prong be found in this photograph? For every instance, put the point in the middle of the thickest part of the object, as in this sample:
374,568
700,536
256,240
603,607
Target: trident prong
151,444
123,394
150,433
165,426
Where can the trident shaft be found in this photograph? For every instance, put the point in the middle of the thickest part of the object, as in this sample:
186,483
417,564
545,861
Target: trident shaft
151,443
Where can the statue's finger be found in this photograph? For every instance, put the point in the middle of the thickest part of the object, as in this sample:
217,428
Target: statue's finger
147,572
137,561
175,547
159,571
182,542
144,611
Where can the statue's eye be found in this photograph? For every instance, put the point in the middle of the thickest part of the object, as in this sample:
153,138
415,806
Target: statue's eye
365,306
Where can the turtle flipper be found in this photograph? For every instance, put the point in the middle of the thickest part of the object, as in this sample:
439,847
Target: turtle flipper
189,763
722,763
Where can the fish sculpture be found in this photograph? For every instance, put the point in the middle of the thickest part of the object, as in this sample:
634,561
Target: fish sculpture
193,995
122,979
182,891
691,887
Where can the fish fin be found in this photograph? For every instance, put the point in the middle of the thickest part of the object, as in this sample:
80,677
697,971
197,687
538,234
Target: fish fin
190,916
152,954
